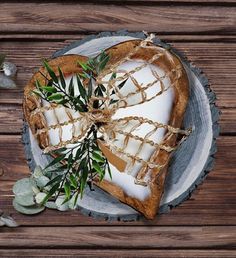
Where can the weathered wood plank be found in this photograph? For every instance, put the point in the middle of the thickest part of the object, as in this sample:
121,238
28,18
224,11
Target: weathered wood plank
14,166
212,203
120,237
217,60
31,37
202,19
11,119
125,253
166,1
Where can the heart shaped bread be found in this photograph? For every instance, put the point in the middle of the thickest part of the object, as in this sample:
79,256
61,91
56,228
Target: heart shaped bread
163,102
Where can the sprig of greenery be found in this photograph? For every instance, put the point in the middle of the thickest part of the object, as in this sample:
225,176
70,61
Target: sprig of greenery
64,179
55,90
83,162
76,166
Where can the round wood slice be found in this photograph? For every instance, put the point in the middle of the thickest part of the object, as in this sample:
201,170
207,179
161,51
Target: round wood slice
189,164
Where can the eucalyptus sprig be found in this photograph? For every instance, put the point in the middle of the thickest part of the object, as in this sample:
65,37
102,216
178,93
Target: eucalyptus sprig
64,179
7,73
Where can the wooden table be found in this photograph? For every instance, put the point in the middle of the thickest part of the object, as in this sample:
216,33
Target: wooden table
203,226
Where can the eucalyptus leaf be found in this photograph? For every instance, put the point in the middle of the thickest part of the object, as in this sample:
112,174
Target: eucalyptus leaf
9,221
2,223
40,197
9,69
30,210
51,205
35,189
60,205
25,200
42,181
6,82
38,172
23,186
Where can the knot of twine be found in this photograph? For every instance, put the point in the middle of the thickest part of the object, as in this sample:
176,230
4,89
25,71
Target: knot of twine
99,116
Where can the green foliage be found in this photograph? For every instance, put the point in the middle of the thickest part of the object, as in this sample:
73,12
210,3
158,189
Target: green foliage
80,168
60,184
6,220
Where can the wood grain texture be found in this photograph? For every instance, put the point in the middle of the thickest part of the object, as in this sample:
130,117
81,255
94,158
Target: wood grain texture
217,60
119,237
28,17
15,167
11,119
214,201
47,37
125,253
203,226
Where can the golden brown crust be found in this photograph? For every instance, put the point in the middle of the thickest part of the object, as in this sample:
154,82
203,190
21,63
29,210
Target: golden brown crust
68,64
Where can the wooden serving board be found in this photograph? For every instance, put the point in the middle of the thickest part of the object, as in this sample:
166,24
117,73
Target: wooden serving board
189,164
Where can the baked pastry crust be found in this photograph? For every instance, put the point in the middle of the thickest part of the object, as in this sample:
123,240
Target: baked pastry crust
149,206
69,65
167,62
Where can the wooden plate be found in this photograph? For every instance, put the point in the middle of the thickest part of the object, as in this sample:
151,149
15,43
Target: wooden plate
189,164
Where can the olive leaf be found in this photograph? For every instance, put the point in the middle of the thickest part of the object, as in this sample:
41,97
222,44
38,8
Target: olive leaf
62,79
50,71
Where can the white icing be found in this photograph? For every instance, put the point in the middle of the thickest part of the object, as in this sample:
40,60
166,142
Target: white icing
158,110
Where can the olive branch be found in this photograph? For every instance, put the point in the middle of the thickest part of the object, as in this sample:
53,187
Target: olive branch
72,168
